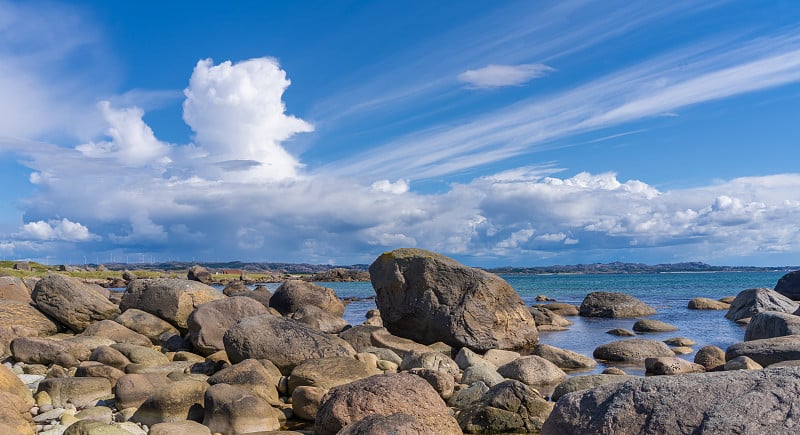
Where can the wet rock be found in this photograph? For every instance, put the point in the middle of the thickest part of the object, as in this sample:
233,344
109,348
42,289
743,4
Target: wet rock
209,321
752,301
633,349
71,302
613,305
427,297
293,294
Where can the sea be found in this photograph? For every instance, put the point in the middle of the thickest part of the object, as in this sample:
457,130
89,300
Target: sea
668,293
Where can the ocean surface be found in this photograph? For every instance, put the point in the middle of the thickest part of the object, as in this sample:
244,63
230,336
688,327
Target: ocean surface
668,293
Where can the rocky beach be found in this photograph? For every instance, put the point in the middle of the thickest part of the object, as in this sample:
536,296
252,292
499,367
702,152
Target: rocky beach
449,349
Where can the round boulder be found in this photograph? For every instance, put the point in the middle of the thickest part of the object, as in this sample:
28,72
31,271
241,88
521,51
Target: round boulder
508,407
752,301
650,325
771,324
71,302
613,305
232,410
209,321
707,304
532,370
670,366
633,349
789,285
710,357
564,359
293,294
172,300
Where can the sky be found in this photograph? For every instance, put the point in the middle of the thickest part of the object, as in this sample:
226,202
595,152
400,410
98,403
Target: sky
497,133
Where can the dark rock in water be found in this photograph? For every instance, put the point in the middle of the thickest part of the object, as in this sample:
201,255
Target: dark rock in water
769,324
650,325
613,305
283,341
508,407
234,288
293,294
71,302
743,402
752,301
209,321
789,285
428,297
633,349
621,332
544,317
768,350
199,273
172,300
385,395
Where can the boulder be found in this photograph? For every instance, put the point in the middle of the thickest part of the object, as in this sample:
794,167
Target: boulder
680,341
283,341
385,354
11,384
395,424
467,358
174,401
485,373
144,323
93,427
769,324
234,288
306,401
670,365
93,369
564,359
586,382
508,407
232,410
466,397
81,392
710,357
320,320
116,332
561,308
144,355
767,351
544,317
650,325
359,336
13,289
172,300
745,402
427,297
613,371
500,357
613,305
133,389
742,363
385,395
209,321
107,355
707,304
16,402
35,350
621,332
442,382
532,370
430,360
293,294
399,345
179,428
200,274
789,285
752,301
632,349
72,302
260,377
260,293
327,372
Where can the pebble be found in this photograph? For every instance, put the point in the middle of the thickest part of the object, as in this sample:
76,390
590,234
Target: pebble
49,415
45,407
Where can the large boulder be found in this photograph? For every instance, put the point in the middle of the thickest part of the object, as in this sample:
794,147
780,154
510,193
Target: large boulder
532,370
651,325
175,401
283,341
199,273
233,410
316,318
428,297
72,302
172,300
13,313
81,392
744,402
767,351
17,402
260,377
789,285
116,332
769,324
147,324
13,289
385,395
293,294
327,372
209,321
580,383
508,407
360,336
395,424
710,357
613,305
752,301
633,349
563,358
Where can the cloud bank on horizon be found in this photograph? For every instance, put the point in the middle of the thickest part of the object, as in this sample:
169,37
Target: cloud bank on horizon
101,182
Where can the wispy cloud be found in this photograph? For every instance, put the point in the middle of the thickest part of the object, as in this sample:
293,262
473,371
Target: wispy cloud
495,76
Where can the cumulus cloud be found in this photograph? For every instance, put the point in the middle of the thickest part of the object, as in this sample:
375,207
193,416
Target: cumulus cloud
59,230
398,187
237,113
495,76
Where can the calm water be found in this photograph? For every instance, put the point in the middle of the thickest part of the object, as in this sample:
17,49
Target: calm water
668,293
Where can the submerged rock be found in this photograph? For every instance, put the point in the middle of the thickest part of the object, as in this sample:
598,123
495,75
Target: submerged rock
428,297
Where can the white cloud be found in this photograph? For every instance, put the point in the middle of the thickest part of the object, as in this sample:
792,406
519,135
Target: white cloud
58,230
386,186
239,119
495,76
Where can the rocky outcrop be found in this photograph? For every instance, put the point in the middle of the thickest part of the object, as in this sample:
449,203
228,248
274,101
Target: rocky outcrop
13,289
752,301
283,341
209,321
339,275
789,285
20,314
293,294
72,302
768,350
385,395
746,402
613,305
508,407
172,300
769,324
633,349
428,297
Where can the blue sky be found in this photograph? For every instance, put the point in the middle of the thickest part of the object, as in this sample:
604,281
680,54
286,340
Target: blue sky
517,133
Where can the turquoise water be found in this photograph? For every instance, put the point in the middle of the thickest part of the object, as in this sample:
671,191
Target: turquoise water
668,293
